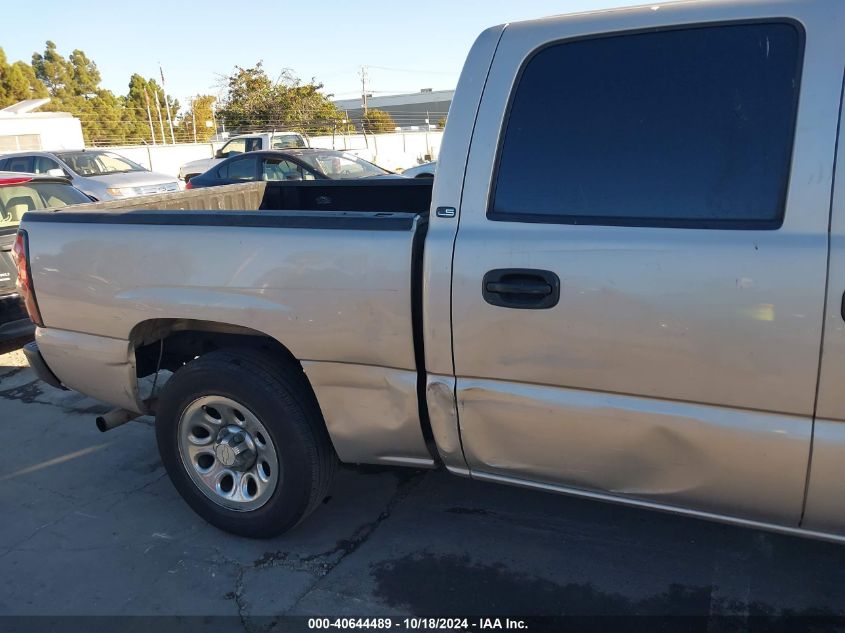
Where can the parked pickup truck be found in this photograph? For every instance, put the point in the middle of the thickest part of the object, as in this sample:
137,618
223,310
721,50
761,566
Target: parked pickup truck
242,144
629,287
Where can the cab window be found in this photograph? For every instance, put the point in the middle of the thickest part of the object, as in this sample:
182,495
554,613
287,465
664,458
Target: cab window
233,147
687,128
288,141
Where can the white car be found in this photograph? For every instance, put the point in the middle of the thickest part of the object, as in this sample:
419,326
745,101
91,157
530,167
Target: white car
240,145
426,170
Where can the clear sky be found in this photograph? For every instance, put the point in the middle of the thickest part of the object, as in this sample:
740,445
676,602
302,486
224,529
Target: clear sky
417,44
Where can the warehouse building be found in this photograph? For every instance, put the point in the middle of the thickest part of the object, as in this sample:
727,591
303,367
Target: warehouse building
410,111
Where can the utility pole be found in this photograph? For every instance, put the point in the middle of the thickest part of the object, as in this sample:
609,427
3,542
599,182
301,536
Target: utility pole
160,122
167,104
364,87
364,97
149,115
194,119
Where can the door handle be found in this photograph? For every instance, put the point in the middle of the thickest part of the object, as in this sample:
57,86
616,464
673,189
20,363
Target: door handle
521,288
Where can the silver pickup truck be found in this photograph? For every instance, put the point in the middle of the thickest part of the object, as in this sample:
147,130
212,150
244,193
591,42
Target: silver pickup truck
626,284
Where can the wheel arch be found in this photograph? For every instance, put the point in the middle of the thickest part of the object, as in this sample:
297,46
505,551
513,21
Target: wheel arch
170,343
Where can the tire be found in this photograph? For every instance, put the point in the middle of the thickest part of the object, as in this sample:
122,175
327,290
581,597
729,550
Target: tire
266,388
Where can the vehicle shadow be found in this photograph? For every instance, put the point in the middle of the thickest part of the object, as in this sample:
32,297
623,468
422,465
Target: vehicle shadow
13,345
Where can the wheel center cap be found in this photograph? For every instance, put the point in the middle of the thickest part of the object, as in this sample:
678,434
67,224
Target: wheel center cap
225,454
235,448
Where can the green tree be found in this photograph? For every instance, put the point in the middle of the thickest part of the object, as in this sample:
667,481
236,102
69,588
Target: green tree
200,114
441,123
53,70
254,101
137,126
137,121
73,84
375,121
18,82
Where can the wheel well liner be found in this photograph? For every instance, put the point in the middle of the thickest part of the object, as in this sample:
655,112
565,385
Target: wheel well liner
177,341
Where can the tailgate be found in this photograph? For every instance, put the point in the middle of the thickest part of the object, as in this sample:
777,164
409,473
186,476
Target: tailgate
8,274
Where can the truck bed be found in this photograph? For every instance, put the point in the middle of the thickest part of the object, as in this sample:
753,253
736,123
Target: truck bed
334,283
367,195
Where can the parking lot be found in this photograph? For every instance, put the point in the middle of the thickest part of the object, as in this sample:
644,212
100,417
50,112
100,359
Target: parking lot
92,525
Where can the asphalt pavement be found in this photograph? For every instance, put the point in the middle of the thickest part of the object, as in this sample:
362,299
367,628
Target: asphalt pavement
90,525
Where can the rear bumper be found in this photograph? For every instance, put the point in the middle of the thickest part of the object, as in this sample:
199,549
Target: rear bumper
39,366
14,322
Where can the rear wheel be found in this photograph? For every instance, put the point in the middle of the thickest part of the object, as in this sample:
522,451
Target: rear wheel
244,443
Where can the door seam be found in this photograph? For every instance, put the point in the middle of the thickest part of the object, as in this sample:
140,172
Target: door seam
824,310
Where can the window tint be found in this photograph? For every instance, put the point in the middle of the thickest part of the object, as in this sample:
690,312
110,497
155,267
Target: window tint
688,128
253,144
20,163
239,169
44,164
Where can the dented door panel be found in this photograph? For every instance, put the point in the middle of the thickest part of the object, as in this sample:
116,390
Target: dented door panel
712,459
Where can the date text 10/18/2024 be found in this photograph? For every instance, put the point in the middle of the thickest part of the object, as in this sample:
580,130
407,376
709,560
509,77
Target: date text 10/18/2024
415,624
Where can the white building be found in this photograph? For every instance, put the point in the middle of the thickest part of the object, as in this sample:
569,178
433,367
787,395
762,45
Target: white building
23,129
417,110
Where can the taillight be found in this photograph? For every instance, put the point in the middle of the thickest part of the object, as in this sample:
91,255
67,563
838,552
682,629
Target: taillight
14,180
20,253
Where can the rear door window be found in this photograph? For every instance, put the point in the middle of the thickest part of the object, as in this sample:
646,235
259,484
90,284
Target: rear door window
686,128
280,169
20,163
43,164
239,169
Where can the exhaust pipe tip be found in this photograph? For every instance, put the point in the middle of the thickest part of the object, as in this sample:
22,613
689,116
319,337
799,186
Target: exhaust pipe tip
114,418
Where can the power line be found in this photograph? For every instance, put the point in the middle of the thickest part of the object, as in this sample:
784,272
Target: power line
412,70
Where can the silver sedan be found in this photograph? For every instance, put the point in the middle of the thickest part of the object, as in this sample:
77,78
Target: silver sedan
102,174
